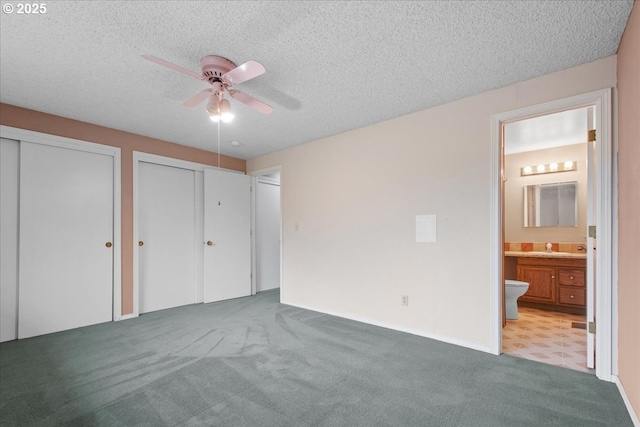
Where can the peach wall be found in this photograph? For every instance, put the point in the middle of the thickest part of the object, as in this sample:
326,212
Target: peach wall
55,125
629,209
349,204
514,197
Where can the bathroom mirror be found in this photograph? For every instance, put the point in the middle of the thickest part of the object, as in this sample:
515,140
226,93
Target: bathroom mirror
551,205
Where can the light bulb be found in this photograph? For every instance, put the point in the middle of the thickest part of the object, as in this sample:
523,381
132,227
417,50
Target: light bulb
225,111
553,166
527,169
540,168
213,108
568,164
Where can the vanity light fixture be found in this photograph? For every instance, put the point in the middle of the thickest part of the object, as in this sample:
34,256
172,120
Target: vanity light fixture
548,168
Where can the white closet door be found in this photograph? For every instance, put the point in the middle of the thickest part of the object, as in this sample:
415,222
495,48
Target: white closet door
227,226
66,235
9,191
267,236
166,227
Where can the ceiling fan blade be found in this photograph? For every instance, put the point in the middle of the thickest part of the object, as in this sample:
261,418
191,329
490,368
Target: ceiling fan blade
172,66
244,72
197,98
250,101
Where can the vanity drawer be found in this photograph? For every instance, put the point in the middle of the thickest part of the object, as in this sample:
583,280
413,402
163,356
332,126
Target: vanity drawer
571,296
570,277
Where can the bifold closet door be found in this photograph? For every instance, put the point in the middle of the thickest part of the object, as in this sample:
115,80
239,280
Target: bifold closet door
166,233
66,239
227,239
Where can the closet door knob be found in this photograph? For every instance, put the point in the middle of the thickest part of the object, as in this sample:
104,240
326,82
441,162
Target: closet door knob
209,243
108,244
140,243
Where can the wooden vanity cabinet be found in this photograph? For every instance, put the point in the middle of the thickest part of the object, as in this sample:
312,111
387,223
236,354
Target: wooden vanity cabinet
554,283
542,283
571,287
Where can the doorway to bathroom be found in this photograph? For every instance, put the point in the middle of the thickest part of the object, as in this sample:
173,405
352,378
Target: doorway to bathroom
546,205
541,196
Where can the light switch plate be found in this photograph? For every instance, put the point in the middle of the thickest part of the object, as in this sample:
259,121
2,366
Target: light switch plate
425,228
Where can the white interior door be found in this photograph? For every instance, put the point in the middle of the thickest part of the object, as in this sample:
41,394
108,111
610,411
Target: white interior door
227,226
66,235
591,250
9,191
267,236
166,233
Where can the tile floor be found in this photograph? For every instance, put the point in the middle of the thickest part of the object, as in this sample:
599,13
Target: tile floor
547,336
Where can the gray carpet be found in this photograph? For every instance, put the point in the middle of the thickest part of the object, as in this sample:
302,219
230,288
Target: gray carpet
255,362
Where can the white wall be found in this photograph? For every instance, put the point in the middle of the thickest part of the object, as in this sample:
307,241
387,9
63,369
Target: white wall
354,198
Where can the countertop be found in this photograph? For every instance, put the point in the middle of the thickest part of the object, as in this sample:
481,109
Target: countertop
546,254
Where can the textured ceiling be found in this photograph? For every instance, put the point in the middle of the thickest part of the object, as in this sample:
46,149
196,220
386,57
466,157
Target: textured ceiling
331,66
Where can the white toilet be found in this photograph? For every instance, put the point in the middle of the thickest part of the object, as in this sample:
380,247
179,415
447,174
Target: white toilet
513,289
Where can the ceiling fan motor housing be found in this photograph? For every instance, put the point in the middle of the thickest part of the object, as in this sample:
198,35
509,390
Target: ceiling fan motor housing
214,67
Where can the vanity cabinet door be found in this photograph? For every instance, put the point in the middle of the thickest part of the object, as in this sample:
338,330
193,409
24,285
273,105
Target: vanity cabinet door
542,283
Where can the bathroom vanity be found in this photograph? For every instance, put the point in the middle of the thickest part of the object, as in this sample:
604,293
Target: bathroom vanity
555,283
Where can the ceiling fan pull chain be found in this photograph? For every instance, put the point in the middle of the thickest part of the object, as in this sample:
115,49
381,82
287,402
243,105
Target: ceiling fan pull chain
219,204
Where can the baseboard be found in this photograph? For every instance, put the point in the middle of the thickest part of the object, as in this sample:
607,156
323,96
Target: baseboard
627,402
448,340
127,316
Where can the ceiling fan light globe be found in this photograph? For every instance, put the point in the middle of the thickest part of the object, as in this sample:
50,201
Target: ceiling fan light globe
213,106
225,111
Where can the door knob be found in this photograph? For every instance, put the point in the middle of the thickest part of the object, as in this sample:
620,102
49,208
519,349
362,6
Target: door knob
209,243
108,244
140,243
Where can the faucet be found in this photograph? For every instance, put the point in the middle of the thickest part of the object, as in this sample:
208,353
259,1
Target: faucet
581,248
549,246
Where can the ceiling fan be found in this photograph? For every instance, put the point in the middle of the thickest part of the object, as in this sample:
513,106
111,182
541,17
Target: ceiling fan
221,74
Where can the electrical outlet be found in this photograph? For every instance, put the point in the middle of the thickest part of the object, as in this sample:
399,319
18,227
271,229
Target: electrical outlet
404,300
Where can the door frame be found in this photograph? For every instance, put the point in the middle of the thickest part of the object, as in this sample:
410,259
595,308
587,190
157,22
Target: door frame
606,288
89,147
256,176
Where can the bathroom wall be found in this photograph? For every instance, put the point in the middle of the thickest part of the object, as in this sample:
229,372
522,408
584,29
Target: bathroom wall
349,204
514,197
